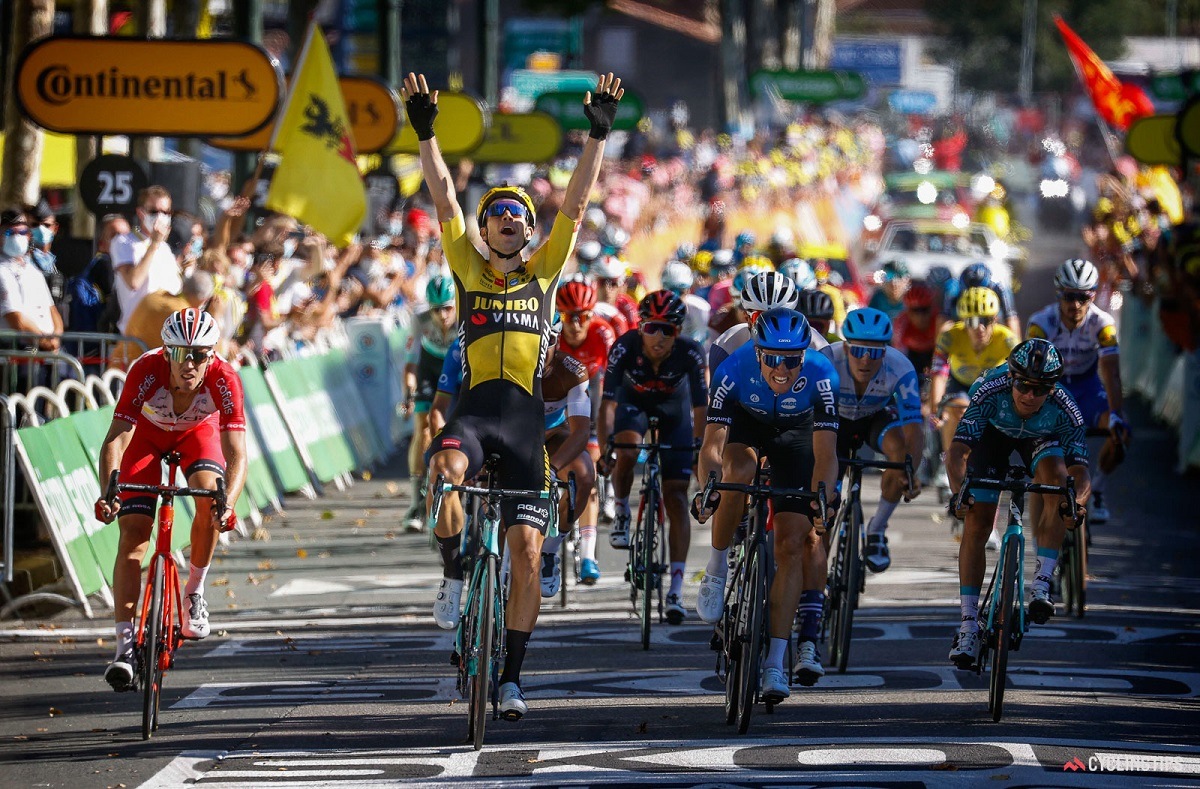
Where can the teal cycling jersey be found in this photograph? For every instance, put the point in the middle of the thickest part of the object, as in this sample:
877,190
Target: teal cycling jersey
1058,420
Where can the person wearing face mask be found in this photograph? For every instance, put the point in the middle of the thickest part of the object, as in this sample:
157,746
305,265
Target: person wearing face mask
41,236
25,301
141,259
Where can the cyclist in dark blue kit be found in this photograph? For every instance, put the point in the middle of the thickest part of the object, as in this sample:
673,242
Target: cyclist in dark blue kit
655,372
771,398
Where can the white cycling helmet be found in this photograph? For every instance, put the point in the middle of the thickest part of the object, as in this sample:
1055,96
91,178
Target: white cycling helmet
607,267
677,277
800,272
191,328
768,290
1077,274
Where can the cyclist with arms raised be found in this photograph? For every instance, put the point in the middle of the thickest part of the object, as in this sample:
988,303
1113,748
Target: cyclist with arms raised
1019,407
771,398
879,404
506,298
179,398
1086,338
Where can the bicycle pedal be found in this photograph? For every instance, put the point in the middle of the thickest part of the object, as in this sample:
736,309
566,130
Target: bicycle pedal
455,659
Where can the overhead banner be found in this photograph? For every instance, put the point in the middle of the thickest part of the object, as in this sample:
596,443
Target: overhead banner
101,85
371,106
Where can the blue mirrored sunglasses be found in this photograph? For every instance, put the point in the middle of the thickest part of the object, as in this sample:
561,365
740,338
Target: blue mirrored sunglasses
790,361
514,207
871,352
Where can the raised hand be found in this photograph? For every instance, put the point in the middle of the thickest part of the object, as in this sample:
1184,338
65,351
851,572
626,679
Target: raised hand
601,111
420,103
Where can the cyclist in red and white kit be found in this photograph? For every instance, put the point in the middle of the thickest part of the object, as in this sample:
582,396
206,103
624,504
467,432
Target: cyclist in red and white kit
178,398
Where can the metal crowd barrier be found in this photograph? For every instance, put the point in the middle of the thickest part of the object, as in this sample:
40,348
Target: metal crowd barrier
34,362
94,350
7,471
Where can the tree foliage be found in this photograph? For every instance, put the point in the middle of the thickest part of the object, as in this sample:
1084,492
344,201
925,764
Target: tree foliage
983,38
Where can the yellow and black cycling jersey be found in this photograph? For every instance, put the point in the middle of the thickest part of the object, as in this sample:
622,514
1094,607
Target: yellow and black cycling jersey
956,356
505,318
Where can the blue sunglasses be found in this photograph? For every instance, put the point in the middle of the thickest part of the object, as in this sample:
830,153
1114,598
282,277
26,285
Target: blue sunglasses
514,207
773,360
871,352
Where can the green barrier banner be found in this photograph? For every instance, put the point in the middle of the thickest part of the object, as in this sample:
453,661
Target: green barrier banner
311,415
62,480
376,358
334,371
260,485
272,434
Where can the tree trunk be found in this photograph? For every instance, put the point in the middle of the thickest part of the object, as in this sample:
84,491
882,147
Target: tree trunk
91,19
152,23
823,32
20,180
792,34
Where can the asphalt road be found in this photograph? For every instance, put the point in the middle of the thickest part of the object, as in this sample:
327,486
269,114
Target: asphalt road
325,669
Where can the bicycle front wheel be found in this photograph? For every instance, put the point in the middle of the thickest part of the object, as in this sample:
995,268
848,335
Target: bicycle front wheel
564,554
152,652
849,578
1074,571
1002,629
645,560
754,616
484,628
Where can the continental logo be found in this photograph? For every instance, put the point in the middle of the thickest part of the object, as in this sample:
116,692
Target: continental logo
58,85
159,87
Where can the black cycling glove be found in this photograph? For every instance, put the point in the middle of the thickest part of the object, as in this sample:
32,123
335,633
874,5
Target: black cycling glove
421,112
601,112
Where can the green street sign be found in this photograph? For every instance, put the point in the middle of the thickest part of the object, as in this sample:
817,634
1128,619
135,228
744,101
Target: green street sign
531,84
1171,87
812,87
567,108
532,137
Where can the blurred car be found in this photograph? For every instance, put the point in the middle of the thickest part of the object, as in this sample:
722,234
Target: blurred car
922,244
843,272
910,195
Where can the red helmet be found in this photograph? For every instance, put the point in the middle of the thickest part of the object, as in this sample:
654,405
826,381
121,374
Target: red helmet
919,296
575,296
662,306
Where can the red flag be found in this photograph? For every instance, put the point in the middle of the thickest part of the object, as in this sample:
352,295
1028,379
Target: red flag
1116,102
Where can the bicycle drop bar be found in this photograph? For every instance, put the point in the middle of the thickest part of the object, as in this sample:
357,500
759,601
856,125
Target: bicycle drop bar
765,490
218,495
906,466
1019,486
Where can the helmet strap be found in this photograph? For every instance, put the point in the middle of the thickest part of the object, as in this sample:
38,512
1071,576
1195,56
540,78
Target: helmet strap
510,256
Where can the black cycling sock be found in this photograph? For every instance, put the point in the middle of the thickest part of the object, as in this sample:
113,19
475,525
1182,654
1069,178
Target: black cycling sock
451,561
515,643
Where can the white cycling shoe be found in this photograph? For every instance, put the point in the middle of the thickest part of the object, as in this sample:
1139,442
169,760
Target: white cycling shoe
195,624
619,536
512,702
808,664
993,543
551,574
448,607
710,604
774,685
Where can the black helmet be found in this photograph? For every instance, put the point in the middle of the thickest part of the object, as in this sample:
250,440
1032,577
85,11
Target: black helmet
662,306
816,305
1036,360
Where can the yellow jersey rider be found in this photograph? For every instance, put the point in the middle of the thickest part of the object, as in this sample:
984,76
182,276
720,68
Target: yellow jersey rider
505,303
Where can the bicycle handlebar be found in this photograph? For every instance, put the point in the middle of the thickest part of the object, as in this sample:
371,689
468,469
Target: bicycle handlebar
218,496
906,466
766,490
1017,485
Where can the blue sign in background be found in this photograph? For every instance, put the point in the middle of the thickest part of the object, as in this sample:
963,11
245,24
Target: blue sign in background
916,102
878,62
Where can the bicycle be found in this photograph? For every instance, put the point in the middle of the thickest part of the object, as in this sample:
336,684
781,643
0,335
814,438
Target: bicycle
479,642
742,635
569,549
159,627
847,576
1072,570
647,542
1004,624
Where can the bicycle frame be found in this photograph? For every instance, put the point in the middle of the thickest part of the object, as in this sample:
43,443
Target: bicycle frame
482,626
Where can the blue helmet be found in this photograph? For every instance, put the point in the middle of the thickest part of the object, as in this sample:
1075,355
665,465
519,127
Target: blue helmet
867,325
938,276
976,275
782,329
744,237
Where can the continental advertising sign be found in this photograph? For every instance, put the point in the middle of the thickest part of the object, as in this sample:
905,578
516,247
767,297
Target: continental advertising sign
373,109
94,85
